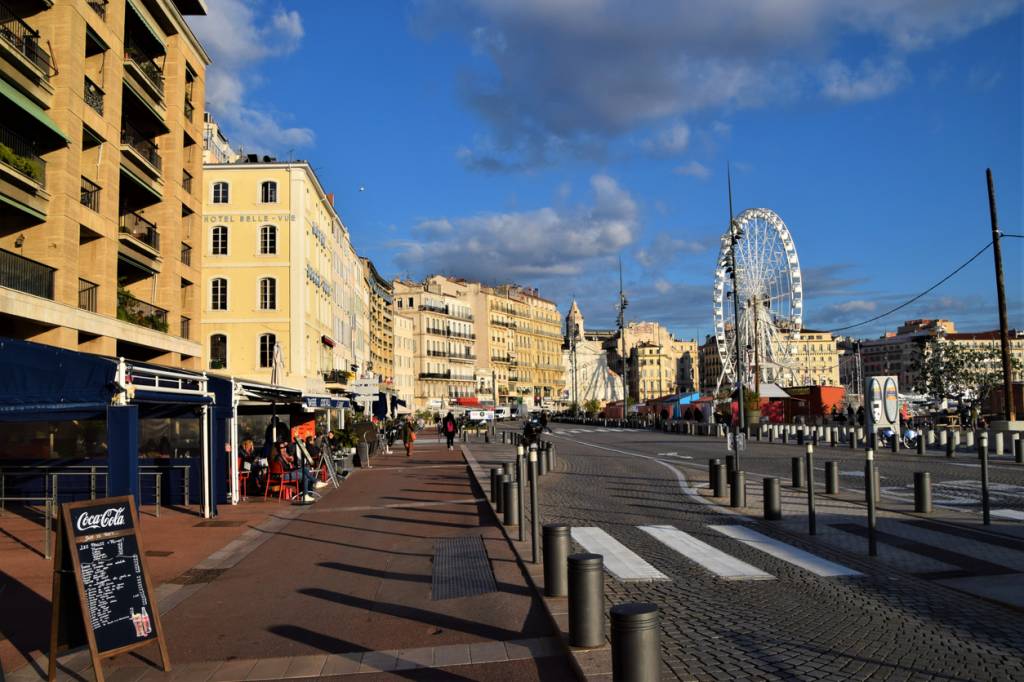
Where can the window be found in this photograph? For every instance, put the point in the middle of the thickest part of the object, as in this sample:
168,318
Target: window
267,343
219,294
268,240
218,351
220,192
219,240
268,192
268,293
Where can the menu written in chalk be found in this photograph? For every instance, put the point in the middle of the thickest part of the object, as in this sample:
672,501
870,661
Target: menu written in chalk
118,607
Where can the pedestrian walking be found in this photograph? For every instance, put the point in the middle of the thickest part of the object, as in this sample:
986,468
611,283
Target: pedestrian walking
450,428
409,437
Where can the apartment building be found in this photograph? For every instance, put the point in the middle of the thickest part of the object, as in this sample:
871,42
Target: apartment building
380,324
710,365
659,363
101,176
405,359
814,361
280,272
536,371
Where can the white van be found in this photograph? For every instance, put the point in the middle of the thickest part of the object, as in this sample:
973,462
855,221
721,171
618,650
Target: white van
480,415
502,412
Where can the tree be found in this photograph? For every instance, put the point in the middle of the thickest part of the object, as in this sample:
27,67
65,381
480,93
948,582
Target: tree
592,406
948,369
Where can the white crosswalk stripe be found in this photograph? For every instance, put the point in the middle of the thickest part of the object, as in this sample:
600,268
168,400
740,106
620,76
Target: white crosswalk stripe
715,560
619,560
787,553
1014,514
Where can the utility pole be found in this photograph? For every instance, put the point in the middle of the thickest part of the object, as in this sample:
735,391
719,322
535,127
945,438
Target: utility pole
1010,411
622,335
757,346
572,355
741,421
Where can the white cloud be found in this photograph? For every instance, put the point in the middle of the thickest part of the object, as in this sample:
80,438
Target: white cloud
664,248
856,306
237,42
694,169
662,286
871,81
516,246
721,128
671,140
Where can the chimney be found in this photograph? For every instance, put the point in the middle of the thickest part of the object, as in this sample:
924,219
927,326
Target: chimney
330,198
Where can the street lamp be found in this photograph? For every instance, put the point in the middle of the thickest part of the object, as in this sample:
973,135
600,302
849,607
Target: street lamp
735,234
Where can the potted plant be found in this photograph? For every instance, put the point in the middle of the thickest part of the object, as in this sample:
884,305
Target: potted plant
752,406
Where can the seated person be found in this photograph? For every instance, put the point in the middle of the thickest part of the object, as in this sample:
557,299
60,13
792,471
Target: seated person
292,470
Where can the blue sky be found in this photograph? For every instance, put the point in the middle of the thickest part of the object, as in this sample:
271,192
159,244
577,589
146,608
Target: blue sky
536,141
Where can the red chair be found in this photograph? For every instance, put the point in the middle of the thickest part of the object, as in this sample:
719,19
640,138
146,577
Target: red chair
276,475
243,479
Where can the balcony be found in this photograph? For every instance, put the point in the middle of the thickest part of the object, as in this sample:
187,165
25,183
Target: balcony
461,335
93,95
134,225
88,293
186,327
100,7
186,254
501,358
25,41
186,181
189,109
461,315
435,375
437,353
131,309
142,146
462,356
434,308
437,331
20,154
90,194
152,74
26,275
337,376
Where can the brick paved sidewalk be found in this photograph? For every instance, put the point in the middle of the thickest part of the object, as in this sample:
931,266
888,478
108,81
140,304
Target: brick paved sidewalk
344,587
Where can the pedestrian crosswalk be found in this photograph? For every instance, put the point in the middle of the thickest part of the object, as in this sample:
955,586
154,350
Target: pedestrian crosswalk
566,432
627,565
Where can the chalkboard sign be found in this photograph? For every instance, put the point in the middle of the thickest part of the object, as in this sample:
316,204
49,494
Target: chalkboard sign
99,545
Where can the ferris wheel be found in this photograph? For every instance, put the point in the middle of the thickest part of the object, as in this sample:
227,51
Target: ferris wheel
770,298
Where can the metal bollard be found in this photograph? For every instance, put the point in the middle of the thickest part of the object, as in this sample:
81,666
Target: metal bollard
508,468
869,485
997,443
551,456
510,497
833,435
719,481
986,516
772,499
797,466
556,554
922,492
812,518
920,443
730,465
503,481
982,444
894,445
831,478
1018,449
636,651
520,482
534,504
738,491
586,600
495,472
784,435
712,471
800,436
950,447
853,439
503,437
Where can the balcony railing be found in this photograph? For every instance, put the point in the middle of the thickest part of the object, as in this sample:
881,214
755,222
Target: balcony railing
26,275
501,358
461,315
461,335
144,146
100,7
87,295
90,194
462,356
186,181
436,353
150,69
186,327
189,109
435,375
186,254
437,330
93,95
434,308
337,376
21,155
25,40
131,309
135,225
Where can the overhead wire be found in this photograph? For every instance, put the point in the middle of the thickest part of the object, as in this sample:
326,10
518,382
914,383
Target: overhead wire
920,295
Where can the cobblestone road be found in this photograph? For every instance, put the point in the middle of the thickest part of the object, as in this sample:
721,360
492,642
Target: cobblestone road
890,623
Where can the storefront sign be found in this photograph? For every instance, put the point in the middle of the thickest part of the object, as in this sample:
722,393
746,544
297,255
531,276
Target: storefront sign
250,218
322,402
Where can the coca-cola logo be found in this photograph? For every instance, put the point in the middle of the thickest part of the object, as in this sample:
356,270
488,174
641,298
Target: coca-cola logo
109,518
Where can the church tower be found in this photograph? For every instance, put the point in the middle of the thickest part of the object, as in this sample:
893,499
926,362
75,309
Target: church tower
574,320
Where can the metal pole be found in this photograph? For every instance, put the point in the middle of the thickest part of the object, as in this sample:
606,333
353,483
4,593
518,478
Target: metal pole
622,334
534,503
520,475
772,499
157,496
922,492
636,652
556,554
869,484
985,510
831,478
510,497
740,422
797,466
812,525
586,600
1010,411
738,492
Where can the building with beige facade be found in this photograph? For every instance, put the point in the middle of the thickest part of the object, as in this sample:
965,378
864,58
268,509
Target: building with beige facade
659,363
380,325
405,359
587,374
101,177
280,271
814,361
710,365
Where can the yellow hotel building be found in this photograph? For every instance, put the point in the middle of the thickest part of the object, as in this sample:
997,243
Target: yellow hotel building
101,110
279,270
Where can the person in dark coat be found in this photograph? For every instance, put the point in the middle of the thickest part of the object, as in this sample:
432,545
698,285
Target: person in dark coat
450,428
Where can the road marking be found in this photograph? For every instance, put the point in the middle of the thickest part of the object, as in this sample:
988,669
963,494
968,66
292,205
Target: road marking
787,553
714,560
619,560
1014,514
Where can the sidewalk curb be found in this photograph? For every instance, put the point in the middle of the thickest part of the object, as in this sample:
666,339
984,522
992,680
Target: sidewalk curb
589,664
